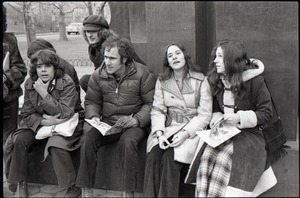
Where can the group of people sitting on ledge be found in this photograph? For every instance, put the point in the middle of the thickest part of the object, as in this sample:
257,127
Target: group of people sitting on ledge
169,110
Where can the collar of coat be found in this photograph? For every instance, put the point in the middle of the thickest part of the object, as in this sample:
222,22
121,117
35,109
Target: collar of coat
170,85
57,83
130,69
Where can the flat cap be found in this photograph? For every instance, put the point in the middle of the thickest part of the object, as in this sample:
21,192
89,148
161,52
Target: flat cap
94,23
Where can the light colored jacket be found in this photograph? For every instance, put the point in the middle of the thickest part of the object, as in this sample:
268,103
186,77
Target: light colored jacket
169,98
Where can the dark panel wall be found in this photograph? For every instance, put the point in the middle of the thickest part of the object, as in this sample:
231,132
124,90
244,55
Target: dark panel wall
168,22
269,31
151,26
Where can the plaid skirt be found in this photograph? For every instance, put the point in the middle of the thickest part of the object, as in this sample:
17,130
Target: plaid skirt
214,170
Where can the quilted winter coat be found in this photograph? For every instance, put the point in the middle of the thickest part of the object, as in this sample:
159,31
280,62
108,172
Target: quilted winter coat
110,99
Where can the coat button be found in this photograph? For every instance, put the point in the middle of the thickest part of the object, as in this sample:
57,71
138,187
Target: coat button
172,97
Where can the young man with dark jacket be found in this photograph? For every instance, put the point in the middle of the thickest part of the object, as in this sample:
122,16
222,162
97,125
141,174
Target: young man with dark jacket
95,31
120,93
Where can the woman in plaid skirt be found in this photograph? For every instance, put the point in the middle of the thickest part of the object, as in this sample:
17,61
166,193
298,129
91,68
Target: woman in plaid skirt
238,166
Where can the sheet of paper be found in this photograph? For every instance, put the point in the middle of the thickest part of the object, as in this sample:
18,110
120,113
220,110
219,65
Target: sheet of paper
216,136
102,127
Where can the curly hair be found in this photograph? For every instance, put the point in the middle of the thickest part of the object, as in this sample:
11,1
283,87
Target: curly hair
46,57
125,47
168,71
236,62
102,33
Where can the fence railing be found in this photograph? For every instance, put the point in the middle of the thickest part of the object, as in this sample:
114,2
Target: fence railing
74,62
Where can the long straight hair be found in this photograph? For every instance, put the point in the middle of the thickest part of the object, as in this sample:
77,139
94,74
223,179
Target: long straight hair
236,62
168,71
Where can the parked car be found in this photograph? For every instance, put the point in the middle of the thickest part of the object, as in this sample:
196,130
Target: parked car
74,28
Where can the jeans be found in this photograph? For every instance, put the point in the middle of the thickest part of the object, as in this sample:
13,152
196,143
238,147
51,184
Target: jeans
93,140
61,161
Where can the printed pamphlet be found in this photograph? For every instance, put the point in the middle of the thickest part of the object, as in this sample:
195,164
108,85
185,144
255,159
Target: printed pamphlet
102,126
219,133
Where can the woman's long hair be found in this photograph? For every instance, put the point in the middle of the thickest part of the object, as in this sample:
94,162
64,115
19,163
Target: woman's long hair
168,71
46,57
236,62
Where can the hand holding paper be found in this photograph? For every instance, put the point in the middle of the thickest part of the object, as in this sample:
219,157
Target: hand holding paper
219,133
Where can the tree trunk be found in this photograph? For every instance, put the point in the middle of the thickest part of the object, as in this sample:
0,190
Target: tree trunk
90,8
28,24
62,26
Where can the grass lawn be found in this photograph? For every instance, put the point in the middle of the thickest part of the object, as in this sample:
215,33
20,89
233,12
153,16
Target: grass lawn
75,48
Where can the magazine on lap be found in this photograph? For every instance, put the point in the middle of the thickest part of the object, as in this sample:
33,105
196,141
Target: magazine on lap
102,126
219,133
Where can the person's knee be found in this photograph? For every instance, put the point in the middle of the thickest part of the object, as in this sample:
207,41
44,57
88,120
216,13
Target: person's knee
128,144
168,156
55,150
21,140
86,140
154,156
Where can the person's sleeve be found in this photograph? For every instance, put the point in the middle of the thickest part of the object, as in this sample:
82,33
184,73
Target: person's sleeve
157,117
29,116
147,92
93,98
17,72
263,106
65,105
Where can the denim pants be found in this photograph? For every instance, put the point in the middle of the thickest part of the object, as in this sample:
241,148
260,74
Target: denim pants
162,173
128,142
61,161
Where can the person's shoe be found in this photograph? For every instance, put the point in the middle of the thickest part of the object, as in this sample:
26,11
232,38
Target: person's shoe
87,192
127,194
23,189
13,187
73,191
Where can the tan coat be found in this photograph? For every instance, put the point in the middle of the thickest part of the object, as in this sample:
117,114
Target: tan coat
168,97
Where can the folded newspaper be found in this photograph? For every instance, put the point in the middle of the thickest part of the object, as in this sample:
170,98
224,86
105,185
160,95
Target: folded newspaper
219,133
102,126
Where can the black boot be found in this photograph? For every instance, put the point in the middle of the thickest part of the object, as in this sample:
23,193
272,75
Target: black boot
23,189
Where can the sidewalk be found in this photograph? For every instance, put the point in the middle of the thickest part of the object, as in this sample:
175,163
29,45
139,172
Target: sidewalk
40,190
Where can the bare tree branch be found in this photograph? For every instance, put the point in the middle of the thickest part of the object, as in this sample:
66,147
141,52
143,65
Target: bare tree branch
15,6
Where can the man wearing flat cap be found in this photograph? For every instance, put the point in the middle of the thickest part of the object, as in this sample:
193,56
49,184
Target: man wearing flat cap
95,31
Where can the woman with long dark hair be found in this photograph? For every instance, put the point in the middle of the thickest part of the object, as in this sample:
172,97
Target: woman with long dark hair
182,94
238,167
